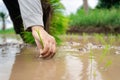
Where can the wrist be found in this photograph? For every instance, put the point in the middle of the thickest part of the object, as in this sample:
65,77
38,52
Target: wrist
34,28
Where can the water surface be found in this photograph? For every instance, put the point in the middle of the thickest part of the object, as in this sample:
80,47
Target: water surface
74,60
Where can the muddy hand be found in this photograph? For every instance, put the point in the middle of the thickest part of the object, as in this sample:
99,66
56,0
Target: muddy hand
45,42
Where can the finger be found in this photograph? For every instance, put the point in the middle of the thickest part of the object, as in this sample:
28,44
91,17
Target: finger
49,51
39,47
45,49
53,51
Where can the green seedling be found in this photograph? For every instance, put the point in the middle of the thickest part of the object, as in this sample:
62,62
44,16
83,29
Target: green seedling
96,37
100,38
94,74
118,36
93,71
91,56
41,42
108,63
84,37
105,51
112,39
27,37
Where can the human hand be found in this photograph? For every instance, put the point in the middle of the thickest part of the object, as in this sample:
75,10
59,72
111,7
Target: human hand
48,47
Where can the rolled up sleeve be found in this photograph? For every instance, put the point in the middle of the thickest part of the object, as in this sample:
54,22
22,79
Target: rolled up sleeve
31,12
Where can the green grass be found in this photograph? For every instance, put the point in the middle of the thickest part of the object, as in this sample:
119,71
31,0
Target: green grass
96,18
7,31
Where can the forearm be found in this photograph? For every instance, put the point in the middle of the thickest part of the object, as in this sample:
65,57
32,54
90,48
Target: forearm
31,11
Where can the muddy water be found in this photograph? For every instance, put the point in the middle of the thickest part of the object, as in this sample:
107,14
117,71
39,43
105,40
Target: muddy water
74,60
9,47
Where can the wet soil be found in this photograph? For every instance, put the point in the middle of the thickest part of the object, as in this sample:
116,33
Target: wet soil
76,59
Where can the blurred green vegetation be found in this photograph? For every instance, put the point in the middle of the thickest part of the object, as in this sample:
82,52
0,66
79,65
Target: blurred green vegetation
97,18
58,23
3,17
7,31
109,4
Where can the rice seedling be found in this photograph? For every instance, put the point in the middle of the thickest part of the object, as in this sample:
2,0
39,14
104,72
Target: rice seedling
92,70
100,38
111,39
96,36
28,38
104,53
108,64
91,56
41,42
85,37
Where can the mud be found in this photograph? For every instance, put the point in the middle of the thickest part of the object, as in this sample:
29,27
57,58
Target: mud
74,60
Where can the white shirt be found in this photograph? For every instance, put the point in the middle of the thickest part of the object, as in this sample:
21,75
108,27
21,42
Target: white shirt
31,12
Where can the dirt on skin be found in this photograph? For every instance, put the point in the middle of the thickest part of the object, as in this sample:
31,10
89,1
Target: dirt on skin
75,59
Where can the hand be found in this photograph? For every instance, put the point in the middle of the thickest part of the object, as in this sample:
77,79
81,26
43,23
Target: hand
49,44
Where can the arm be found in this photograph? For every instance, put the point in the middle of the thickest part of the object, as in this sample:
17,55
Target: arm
31,11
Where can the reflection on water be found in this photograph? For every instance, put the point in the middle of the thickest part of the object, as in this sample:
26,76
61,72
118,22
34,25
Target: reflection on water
64,66
93,72
7,59
68,63
74,68
7,56
9,39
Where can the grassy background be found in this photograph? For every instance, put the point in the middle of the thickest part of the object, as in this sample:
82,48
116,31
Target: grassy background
7,31
97,18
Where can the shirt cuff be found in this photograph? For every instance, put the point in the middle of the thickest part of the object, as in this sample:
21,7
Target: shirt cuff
33,20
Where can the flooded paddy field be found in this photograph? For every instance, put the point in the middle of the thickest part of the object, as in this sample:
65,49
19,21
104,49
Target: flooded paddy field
79,57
